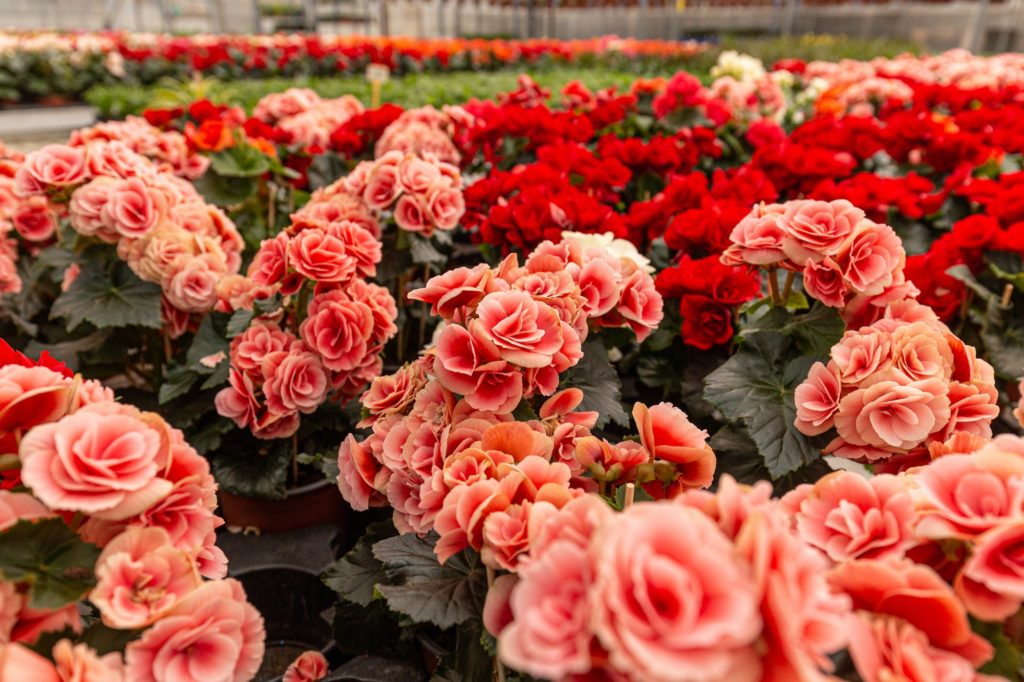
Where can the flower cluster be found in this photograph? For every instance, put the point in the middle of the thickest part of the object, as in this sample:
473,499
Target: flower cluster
511,330
892,388
329,341
847,261
303,117
129,483
26,222
422,193
162,227
165,147
425,131
624,596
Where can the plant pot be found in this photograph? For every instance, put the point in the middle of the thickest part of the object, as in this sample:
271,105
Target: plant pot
293,602
308,505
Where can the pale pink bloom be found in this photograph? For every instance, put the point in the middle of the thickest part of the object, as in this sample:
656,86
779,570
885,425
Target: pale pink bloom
824,281
640,304
11,603
140,576
446,206
664,611
413,215
815,229
758,238
192,288
524,331
574,523
299,383
21,663
417,175
382,186
310,666
212,634
470,366
131,209
31,396
817,400
549,634
34,219
860,354
885,648
357,475
238,401
497,607
95,461
848,517
870,257
972,409
359,243
270,263
339,330
80,663
450,292
321,257
55,165
919,351
893,414
86,209
16,507
965,495
997,566
667,433
460,522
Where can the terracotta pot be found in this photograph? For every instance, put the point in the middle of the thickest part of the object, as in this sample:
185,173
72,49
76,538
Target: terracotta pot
309,505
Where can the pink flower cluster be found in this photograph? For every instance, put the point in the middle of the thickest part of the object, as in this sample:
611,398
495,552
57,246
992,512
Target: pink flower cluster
511,330
892,388
919,552
162,227
167,148
32,219
332,334
482,480
304,117
147,498
750,99
422,192
425,131
609,595
847,261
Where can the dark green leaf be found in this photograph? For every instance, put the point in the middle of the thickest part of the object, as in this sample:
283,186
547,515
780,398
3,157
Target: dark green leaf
177,383
755,387
224,191
815,331
421,588
738,456
105,300
355,576
602,390
365,630
239,322
207,342
240,161
258,474
1007,660
424,252
51,558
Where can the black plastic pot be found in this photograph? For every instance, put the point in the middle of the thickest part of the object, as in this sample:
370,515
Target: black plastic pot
295,606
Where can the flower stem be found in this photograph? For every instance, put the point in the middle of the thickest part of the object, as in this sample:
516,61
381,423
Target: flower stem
773,286
787,289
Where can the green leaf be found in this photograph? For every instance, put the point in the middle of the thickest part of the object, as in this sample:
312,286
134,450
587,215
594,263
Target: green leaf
176,383
755,387
639,495
738,456
242,470
51,558
109,300
356,575
207,342
424,252
240,161
365,630
421,588
224,191
239,322
1007,660
597,378
815,331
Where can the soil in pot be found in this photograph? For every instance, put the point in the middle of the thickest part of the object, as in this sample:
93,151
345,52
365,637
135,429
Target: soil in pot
308,505
293,602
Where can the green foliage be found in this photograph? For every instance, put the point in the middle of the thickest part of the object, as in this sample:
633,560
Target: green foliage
355,576
109,299
244,468
597,378
51,558
421,588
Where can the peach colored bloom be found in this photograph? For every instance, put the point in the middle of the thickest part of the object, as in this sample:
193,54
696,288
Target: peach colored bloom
310,666
896,414
849,517
885,649
817,400
55,165
445,206
861,353
548,635
94,461
962,496
339,330
524,331
574,523
140,575
916,594
298,383
21,663
870,257
212,634
15,507
997,564
758,238
191,286
471,366
815,229
824,281
920,352
357,476
130,209
663,611
11,603
506,536
321,257
454,290
80,663
31,396
667,433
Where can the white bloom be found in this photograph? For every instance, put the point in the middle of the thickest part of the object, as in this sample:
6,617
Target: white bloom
618,248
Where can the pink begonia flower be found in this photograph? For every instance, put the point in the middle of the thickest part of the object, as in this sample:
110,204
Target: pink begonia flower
816,229
80,663
310,666
140,575
212,634
885,648
21,663
849,517
817,400
896,414
667,433
55,165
